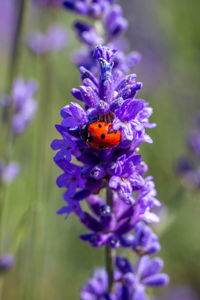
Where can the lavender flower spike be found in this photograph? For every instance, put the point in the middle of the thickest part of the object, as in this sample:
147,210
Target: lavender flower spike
111,106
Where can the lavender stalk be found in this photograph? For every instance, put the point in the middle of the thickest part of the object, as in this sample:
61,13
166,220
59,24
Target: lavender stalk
109,252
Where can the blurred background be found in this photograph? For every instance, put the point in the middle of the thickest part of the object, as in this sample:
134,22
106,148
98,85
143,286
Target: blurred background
50,260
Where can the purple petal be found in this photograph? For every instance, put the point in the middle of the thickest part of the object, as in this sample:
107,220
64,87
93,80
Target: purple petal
63,180
152,267
140,293
123,265
90,222
89,96
156,280
129,109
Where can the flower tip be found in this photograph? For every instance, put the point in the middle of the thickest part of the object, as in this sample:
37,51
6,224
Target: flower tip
104,52
52,145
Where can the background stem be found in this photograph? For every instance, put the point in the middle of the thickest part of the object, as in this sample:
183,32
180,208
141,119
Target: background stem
22,15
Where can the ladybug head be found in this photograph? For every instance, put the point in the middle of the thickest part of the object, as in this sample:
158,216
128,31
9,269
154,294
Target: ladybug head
107,118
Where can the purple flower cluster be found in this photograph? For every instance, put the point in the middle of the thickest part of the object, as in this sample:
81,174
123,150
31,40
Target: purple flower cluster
187,167
178,292
111,98
23,106
54,40
113,25
130,282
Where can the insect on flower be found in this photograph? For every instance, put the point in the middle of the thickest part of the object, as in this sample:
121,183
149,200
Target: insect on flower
100,135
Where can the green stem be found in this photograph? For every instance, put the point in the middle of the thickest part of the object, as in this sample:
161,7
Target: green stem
20,24
18,37
109,252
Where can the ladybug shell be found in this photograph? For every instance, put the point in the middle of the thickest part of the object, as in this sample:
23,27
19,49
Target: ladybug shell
101,135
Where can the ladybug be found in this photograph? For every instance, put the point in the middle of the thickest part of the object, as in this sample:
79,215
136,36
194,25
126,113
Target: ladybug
100,135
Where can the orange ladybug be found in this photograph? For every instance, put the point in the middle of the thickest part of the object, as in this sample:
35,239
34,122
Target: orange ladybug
101,135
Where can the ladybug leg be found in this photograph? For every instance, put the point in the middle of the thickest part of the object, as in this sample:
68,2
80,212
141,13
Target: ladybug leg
84,132
111,129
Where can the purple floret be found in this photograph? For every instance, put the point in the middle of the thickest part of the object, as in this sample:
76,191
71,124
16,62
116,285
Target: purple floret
145,241
114,23
71,178
93,8
87,34
96,288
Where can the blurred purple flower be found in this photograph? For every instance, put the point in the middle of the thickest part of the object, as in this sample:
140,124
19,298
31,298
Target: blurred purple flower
48,2
87,33
7,261
24,104
187,167
194,141
179,292
8,172
114,23
54,40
